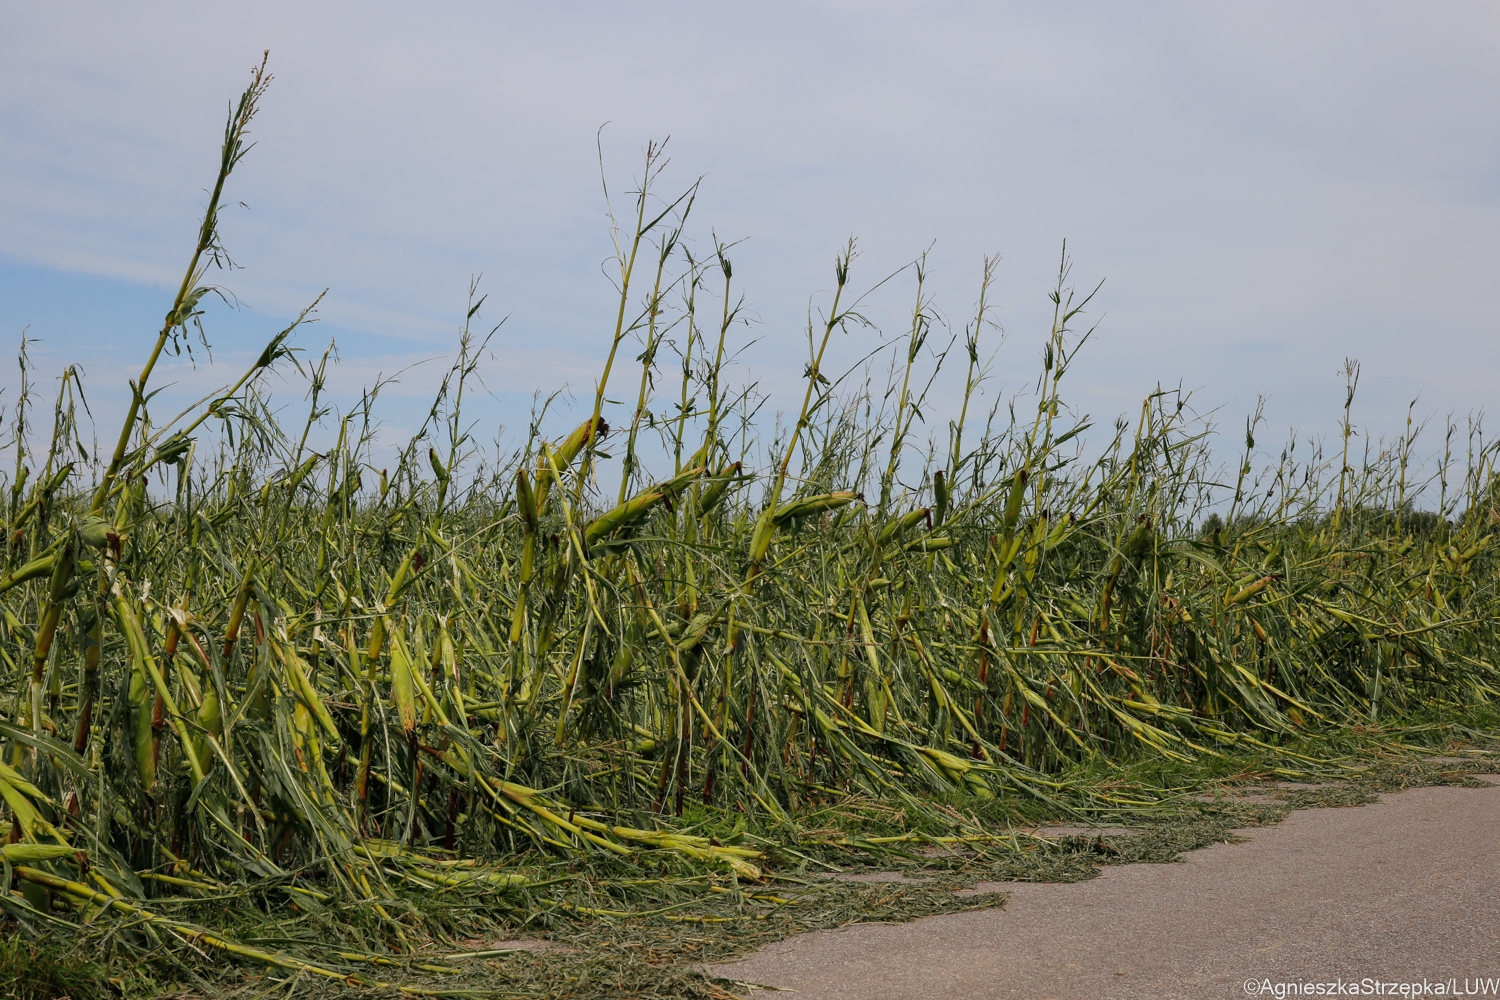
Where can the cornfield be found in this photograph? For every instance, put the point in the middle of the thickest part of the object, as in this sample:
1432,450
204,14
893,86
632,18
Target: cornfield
249,680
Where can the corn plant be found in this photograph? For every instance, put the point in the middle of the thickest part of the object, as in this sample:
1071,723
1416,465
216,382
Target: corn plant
295,676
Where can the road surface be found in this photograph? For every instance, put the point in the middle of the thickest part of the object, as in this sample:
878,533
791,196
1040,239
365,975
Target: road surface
1401,891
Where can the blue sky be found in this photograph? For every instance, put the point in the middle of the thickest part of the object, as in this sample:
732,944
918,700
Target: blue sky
1266,188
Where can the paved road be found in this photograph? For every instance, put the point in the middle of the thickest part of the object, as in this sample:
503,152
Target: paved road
1400,890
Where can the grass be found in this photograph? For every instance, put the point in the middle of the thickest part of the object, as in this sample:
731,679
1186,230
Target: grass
48,970
286,716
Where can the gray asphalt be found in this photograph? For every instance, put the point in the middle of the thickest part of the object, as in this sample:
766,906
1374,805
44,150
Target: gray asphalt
1398,891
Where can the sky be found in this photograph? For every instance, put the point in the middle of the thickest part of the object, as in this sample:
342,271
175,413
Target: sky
1264,190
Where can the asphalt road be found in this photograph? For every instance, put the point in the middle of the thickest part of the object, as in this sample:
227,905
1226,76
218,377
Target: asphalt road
1396,892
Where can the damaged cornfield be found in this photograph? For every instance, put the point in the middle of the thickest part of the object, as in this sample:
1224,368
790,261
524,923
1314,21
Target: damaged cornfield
268,706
